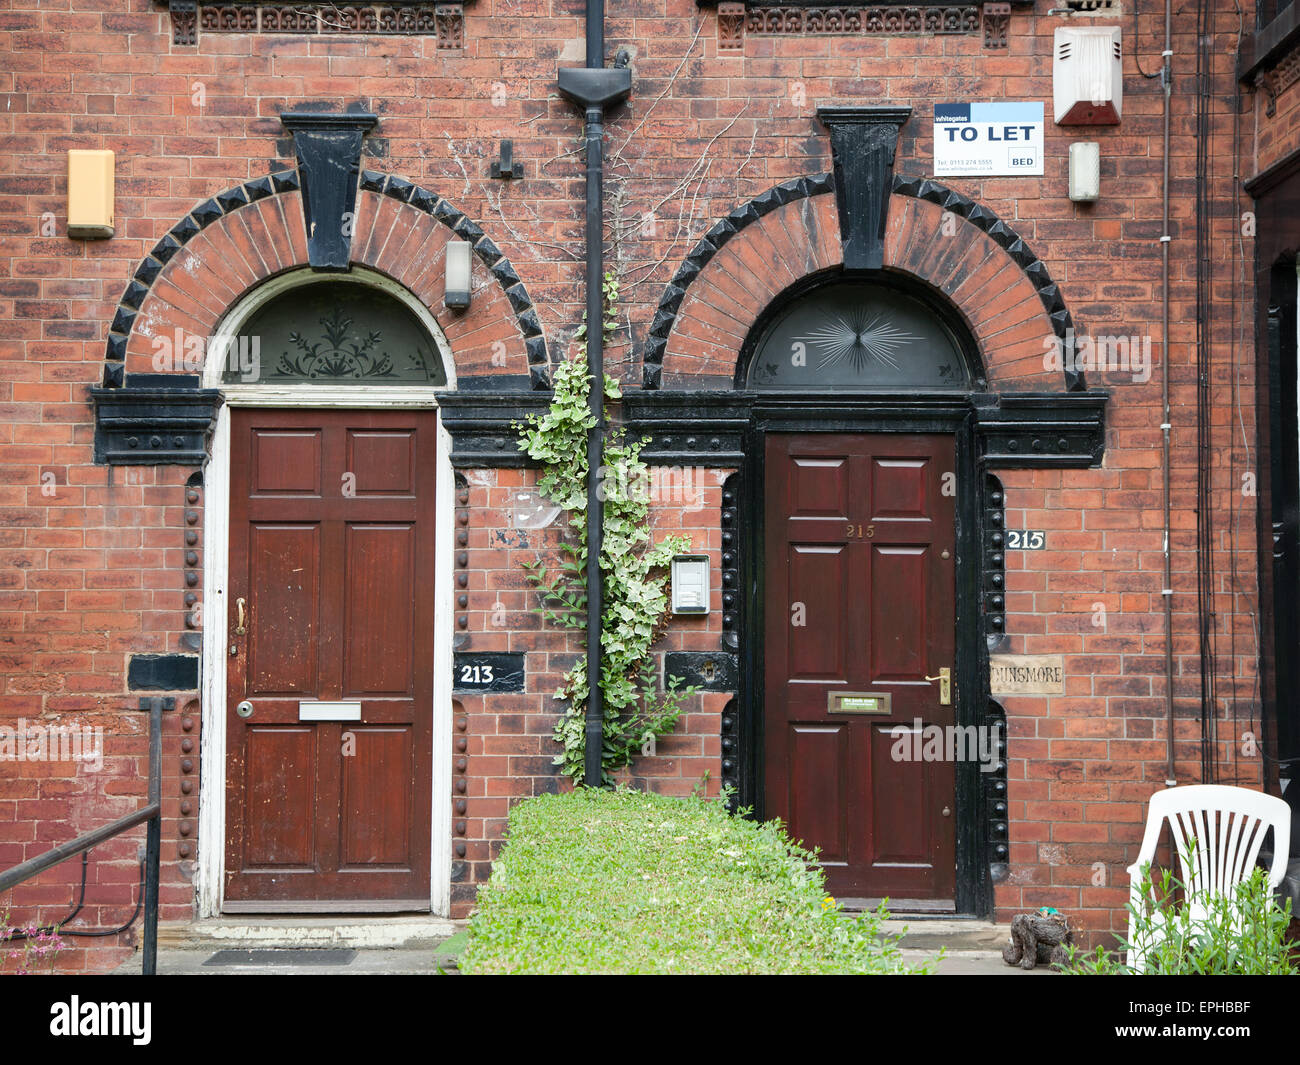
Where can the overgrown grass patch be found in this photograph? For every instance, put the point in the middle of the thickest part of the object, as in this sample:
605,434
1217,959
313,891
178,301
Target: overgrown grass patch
628,882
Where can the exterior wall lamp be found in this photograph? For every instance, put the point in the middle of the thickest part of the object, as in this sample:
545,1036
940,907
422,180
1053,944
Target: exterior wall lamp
456,287
1085,171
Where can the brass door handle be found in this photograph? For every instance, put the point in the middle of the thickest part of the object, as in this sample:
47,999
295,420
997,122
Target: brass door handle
945,686
239,617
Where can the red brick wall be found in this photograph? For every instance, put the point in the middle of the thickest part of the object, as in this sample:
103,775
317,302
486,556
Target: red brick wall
93,574
507,747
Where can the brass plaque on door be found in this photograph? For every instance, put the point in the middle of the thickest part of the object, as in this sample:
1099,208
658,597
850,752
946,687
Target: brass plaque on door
858,703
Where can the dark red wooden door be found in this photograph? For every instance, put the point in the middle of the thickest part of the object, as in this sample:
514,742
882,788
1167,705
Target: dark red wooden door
332,570
860,540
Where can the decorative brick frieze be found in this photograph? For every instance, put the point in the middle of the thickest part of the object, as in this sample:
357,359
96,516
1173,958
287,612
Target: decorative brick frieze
395,18
891,21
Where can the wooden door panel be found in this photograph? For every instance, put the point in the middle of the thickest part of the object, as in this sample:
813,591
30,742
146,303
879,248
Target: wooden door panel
816,636
279,796
382,462
284,566
819,757
898,489
898,597
331,548
898,839
380,609
286,463
860,530
821,489
376,780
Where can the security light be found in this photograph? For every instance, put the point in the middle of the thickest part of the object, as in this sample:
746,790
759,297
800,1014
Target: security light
1085,171
458,275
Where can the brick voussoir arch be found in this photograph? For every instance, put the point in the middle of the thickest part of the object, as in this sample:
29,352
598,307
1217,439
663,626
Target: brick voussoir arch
997,283
238,238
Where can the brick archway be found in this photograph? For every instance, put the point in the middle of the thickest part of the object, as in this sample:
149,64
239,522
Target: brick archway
956,247
234,241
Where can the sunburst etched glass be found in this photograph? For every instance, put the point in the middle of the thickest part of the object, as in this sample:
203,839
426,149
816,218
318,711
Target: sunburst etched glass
857,336
333,332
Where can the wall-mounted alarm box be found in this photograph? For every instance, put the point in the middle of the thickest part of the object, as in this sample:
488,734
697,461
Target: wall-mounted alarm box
1087,76
90,194
690,584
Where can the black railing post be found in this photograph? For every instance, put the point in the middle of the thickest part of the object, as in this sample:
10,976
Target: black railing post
153,837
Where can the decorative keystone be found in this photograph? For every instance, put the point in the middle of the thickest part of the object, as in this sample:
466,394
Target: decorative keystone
329,164
863,142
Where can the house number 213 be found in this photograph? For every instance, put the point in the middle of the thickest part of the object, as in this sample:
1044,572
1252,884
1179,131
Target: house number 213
476,675
1026,539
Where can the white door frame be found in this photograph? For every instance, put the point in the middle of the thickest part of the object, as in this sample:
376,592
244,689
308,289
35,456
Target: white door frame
210,868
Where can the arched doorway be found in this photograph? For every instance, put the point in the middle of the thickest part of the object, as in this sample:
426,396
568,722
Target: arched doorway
326,639
709,399
868,698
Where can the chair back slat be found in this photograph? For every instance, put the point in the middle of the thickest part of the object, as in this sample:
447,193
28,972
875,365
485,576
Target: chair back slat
1234,829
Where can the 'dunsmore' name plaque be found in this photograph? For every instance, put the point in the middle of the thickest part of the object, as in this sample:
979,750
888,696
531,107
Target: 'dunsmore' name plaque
1026,674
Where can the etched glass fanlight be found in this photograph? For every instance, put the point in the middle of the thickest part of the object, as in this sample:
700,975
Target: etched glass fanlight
332,332
852,335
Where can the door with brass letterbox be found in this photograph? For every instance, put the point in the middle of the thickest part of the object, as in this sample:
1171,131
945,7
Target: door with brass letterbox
859,534
330,661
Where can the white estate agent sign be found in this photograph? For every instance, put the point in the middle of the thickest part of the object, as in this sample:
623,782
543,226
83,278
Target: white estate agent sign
988,140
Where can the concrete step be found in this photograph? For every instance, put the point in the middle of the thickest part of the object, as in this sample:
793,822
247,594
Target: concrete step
371,933
971,947
955,933
407,946
297,962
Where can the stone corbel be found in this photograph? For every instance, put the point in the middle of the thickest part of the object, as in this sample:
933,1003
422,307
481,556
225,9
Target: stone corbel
996,18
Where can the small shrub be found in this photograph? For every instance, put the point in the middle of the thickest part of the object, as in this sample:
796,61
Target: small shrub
1237,934
626,882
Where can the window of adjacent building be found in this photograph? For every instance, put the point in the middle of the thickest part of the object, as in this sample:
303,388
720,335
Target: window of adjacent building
1268,10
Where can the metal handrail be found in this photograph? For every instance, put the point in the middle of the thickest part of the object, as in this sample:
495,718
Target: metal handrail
150,814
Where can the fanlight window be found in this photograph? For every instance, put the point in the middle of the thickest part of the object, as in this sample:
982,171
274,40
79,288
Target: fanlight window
333,332
857,336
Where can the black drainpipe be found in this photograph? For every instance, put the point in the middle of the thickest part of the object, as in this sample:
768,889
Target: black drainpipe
594,88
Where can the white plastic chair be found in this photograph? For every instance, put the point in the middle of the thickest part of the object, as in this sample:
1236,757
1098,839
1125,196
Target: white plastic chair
1221,829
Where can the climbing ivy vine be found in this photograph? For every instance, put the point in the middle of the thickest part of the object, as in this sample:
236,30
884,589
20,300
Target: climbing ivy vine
634,568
